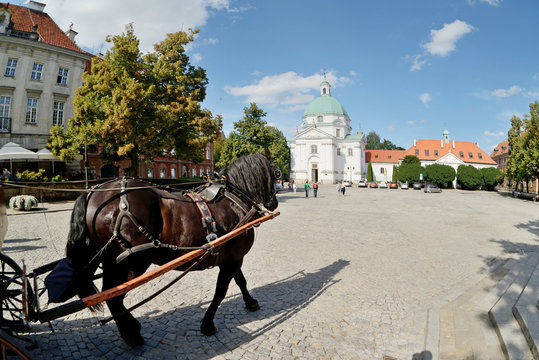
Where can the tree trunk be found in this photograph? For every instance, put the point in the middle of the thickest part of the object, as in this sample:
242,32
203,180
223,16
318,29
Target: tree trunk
134,163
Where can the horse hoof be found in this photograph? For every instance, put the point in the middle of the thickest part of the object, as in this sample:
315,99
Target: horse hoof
208,330
253,307
134,341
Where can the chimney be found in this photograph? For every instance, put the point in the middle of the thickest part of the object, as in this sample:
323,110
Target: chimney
453,144
70,33
442,143
415,143
35,5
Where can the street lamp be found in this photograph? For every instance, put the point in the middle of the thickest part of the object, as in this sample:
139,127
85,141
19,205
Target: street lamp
78,123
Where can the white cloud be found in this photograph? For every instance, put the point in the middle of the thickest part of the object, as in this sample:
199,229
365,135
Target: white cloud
490,133
425,98
443,41
287,91
353,73
417,63
150,22
492,2
411,122
506,92
196,58
534,94
535,76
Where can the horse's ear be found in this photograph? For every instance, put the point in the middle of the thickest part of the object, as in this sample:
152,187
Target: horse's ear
268,154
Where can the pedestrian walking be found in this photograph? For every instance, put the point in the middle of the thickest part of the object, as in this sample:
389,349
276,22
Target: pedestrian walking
307,189
343,188
294,187
339,188
315,188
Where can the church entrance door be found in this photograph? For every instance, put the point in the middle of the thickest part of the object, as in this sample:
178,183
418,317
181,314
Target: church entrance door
314,175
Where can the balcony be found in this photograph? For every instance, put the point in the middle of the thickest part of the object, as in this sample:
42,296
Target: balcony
5,124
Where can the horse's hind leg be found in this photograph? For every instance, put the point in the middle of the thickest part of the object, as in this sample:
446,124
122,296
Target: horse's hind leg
250,303
128,326
226,273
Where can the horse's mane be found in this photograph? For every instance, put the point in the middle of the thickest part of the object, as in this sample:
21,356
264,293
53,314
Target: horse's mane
252,174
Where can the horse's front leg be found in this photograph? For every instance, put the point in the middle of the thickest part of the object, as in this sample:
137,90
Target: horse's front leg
226,273
250,303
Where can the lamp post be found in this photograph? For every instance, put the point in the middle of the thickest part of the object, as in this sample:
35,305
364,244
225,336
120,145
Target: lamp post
78,123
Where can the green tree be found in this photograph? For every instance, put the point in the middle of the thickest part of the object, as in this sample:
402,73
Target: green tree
394,176
218,147
373,143
411,160
439,174
468,177
409,172
369,172
490,177
251,135
136,104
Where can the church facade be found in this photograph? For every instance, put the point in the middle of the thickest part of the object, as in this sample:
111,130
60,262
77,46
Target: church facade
324,150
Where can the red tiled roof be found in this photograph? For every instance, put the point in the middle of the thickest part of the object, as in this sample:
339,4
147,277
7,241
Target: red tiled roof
24,19
433,150
501,148
384,156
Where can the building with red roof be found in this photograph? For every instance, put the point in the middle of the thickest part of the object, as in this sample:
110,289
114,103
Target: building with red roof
500,154
382,162
41,66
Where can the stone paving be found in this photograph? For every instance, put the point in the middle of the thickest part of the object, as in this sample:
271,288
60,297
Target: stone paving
337,278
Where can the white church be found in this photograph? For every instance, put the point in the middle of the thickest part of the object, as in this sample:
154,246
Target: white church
324,150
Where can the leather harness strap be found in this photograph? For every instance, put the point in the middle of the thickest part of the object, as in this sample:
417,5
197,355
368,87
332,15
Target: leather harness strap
207,219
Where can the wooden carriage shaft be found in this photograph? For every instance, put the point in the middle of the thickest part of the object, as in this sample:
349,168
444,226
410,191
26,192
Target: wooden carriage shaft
98,298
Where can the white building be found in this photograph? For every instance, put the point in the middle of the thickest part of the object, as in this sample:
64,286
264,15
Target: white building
324,150
41,66
383,162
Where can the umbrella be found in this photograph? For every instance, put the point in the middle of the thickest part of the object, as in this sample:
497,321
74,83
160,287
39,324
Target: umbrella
45,154
14,151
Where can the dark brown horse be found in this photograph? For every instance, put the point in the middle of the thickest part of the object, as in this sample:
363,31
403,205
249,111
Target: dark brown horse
107,223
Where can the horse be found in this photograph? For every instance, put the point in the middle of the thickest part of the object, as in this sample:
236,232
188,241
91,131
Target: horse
125,214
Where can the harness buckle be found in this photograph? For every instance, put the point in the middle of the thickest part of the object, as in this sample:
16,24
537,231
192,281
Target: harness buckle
211,237
156,243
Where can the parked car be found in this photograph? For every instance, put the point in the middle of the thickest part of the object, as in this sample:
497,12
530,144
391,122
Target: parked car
393,185
347,183
432,188
373,184
383,185
417,186
404,186
362,183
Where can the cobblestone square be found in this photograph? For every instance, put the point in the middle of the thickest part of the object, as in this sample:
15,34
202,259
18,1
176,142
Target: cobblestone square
336,277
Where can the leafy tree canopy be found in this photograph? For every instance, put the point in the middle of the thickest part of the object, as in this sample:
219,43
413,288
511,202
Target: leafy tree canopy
490,177
373,143
411,160
136,104
409,172
468,177
439,174
252,134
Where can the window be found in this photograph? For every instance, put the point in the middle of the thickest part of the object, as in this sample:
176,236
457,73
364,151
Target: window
338,132
461,154
208,152
184,171
319,118
382,170
162,173
427,153
338,151
5,105
37,70
62,76
194,172
324,91
31,111
350,152
58,113
150,172
314,149
10,67
416,152
173,173
470,155
479,155
435,152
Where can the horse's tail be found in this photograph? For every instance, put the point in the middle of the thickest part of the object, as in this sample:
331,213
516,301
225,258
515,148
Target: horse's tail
80,250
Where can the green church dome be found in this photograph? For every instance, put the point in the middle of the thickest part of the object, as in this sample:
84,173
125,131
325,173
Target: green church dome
325,104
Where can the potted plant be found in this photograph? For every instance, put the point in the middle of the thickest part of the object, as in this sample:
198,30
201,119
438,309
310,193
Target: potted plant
23,202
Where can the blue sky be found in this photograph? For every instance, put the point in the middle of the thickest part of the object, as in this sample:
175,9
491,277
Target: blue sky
405,69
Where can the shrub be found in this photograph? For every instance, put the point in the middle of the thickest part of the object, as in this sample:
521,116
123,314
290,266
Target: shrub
23,202
439,174
491,177
369,173
468,177
32,175
58,178
409,173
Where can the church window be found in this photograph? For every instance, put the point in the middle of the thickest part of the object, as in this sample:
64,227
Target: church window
324,91
314,149
338,132
350,153
319,118
338,151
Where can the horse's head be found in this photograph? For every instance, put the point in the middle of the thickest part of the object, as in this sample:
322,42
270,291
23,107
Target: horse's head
255,175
